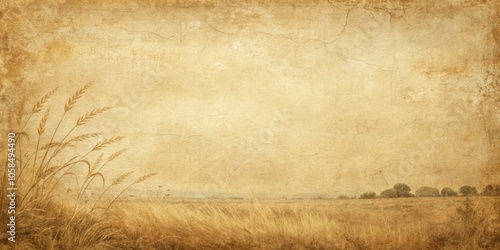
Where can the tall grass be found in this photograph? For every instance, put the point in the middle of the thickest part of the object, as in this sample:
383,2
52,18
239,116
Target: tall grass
474,226
357,224
44,162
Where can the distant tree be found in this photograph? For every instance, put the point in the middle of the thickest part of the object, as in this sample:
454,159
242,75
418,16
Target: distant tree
343,197
491,190
427,192
368,195
446,191
468,191
389,193
402,190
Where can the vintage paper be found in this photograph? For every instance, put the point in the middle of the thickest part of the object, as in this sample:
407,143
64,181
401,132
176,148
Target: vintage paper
240,100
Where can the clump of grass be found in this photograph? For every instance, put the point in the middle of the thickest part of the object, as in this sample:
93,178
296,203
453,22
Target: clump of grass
473,226
55,226
44,220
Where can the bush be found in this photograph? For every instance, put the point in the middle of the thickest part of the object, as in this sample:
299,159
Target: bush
343,197
427,192
446,191
389,193
491,190
368,195
403,190
468,191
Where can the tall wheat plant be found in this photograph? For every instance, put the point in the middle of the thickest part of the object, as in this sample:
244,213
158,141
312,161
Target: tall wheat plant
46,162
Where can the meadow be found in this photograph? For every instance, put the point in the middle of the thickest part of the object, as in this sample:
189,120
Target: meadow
403,223
416,223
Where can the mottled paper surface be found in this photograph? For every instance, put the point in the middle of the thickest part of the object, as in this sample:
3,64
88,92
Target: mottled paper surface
267,99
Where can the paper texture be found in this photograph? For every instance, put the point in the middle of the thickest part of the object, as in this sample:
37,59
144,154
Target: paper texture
115,104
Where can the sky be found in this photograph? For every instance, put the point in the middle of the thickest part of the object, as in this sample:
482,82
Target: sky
276,100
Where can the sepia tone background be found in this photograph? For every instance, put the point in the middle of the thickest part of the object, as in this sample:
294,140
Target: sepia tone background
273,98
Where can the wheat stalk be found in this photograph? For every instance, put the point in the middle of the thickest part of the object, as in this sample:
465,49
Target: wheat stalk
116,154
83,137
56,144
72,100
121,178
144,177
48,171
67,107
23,133
43,122
70,142
39,105
61,147
96,163
41,129
102,144
36,108
140,179
89,115
91,176
115,182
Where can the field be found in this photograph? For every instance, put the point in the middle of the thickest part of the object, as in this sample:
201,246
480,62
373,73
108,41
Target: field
404,223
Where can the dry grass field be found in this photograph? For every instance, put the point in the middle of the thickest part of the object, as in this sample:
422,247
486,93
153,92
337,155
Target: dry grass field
404,223
415,223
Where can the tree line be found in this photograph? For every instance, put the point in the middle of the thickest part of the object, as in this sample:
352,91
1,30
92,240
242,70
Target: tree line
403,190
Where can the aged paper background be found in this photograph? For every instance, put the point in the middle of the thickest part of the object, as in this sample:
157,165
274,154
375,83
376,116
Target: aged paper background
274,98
